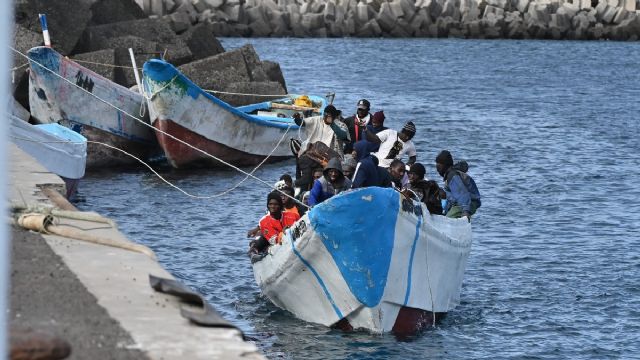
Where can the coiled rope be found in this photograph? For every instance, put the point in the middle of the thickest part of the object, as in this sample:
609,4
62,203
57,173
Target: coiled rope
161,131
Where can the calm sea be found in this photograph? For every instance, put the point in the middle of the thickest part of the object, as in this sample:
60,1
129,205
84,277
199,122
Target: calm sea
551,133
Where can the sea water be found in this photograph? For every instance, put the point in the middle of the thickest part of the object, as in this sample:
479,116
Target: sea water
550,130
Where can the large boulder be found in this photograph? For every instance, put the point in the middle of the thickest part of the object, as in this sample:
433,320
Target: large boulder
110,11
101,62
218,71
66,20
251,92
202,42
254,65
274,73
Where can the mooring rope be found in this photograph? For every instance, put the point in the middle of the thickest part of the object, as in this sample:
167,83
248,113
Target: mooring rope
161,131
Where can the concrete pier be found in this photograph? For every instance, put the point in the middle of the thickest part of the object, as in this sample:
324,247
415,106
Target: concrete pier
97,298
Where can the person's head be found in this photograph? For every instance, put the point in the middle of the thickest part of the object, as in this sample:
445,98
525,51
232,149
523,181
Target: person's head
287,180
333,170
274,203
287,200
444,161
362,149
462,166
363,108
317,173
348,166
416,173
408,131
330,114
377,120
396,169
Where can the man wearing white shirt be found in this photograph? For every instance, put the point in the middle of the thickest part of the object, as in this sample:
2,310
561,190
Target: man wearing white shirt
394,145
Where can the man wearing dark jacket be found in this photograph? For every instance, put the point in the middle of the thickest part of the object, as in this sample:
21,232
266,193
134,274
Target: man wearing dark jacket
356,122
463,199
331,183
427,191
367,171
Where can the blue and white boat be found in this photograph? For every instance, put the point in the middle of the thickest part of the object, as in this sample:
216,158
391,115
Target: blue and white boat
368,259
62,91
59,149
242,135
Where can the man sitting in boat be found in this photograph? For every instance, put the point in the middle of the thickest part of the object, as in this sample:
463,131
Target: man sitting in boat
331,183
424,190
276,221
327,129
367,171
393,144
462,194
348,166
393,176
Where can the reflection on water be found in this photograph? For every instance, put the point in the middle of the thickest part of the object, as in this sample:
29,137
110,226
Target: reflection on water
550,131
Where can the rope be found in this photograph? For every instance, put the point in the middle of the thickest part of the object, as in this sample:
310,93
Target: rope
161,131
19,67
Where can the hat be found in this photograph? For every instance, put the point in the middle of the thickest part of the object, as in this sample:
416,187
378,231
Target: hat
409,127
331,110
364,104
418,169
378,116
444,158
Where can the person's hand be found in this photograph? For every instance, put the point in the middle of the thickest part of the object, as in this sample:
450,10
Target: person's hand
253,232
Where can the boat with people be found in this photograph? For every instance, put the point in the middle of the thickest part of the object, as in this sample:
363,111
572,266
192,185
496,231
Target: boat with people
62,91
197,128
368,258
59,149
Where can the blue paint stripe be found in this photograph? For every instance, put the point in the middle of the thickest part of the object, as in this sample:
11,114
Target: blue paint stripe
43,22
315,273
413,251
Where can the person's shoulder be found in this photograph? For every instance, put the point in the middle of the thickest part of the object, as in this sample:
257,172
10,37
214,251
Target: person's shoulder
291,215
266,217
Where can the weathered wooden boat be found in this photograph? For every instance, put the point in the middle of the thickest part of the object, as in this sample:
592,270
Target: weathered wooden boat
59,149
59,93
368,259
242,135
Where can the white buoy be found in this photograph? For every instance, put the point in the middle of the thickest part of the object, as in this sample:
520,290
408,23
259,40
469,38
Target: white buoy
135,71
45,29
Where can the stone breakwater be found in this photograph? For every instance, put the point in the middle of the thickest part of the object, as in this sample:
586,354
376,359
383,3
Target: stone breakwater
484,19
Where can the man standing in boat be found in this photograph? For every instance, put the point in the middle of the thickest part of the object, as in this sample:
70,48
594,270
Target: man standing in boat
328,130
463,197
356,123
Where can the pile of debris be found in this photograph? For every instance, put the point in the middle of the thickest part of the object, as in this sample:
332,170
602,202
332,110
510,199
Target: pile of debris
97,34
515,19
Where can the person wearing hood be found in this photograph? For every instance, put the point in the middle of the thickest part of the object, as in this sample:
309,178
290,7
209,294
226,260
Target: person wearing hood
331,183
463,196
367,172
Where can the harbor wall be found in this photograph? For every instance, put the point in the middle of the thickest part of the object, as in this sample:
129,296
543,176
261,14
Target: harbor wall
481,19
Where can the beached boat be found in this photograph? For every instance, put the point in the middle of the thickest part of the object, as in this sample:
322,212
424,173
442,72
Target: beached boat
368,259
54,100
59,149
242,135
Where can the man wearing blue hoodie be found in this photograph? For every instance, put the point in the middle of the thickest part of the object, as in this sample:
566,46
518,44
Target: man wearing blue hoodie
367,172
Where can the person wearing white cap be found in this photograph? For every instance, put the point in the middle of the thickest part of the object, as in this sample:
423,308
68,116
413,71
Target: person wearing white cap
393,144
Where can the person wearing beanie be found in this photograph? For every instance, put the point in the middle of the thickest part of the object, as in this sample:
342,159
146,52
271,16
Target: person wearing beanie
349,166
394,144
426,191
276,220
463,196
331,183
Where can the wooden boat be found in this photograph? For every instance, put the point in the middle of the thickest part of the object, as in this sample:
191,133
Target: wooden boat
368,259
54,100
242,135
59,149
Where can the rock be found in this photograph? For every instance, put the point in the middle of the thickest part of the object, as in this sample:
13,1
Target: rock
569,9
601,9
408,8
216,72
179,21
23,40
629,5
385,18
110,11
274,73
214,4
201,41
609,14
522,6
254,65
259,28
329,11
362,13
255,13
435,9
199,5
502,4
155,7
613,3
257,88
396,9
64,33
621,14
312,21
489,9
107,57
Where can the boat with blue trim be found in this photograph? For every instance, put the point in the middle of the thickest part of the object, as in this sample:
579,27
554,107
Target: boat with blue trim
368,259
63,91
242,135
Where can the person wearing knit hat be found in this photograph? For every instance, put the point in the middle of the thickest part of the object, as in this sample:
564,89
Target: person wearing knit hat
463,196
394,144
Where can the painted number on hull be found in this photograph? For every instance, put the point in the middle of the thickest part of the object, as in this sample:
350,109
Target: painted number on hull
84,81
